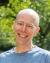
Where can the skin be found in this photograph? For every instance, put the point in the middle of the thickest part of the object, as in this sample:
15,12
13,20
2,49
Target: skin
25,30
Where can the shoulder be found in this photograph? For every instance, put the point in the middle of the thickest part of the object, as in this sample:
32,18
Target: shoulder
6,53
42,51
39,52
6,56
45,54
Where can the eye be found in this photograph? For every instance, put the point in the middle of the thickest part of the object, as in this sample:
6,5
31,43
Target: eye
20,23
30,26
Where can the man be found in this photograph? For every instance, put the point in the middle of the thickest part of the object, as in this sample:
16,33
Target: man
26,26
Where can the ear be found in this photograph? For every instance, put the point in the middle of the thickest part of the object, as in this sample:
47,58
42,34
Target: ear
37,30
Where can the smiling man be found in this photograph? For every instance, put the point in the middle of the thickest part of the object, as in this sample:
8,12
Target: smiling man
26,26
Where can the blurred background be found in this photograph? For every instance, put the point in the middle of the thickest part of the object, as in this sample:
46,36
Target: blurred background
8,12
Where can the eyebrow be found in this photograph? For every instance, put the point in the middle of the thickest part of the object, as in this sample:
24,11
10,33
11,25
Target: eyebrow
21,21
27,23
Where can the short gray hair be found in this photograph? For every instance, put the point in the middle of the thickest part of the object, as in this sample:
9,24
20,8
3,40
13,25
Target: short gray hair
31,12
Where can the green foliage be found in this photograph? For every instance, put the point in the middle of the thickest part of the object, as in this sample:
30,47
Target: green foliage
7,17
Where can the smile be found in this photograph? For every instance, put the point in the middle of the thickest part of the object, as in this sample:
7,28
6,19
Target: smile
22,36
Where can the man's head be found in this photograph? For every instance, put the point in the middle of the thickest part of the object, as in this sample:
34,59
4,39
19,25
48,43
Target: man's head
32,13
26,25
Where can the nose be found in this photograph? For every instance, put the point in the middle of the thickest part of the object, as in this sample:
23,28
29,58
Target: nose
24,28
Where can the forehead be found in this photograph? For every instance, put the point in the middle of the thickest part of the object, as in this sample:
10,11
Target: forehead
25,18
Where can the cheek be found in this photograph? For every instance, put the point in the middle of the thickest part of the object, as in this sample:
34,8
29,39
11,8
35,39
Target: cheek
16,28
30,32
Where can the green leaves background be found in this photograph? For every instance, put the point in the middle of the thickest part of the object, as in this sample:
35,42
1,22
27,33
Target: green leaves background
8,13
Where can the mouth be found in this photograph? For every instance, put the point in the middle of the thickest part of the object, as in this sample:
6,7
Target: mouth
22,35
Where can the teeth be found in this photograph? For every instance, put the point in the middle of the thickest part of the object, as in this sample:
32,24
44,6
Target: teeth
22,36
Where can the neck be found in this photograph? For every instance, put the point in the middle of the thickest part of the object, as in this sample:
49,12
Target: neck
24,48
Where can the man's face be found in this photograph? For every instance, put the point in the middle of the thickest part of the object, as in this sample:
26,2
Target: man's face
24,28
